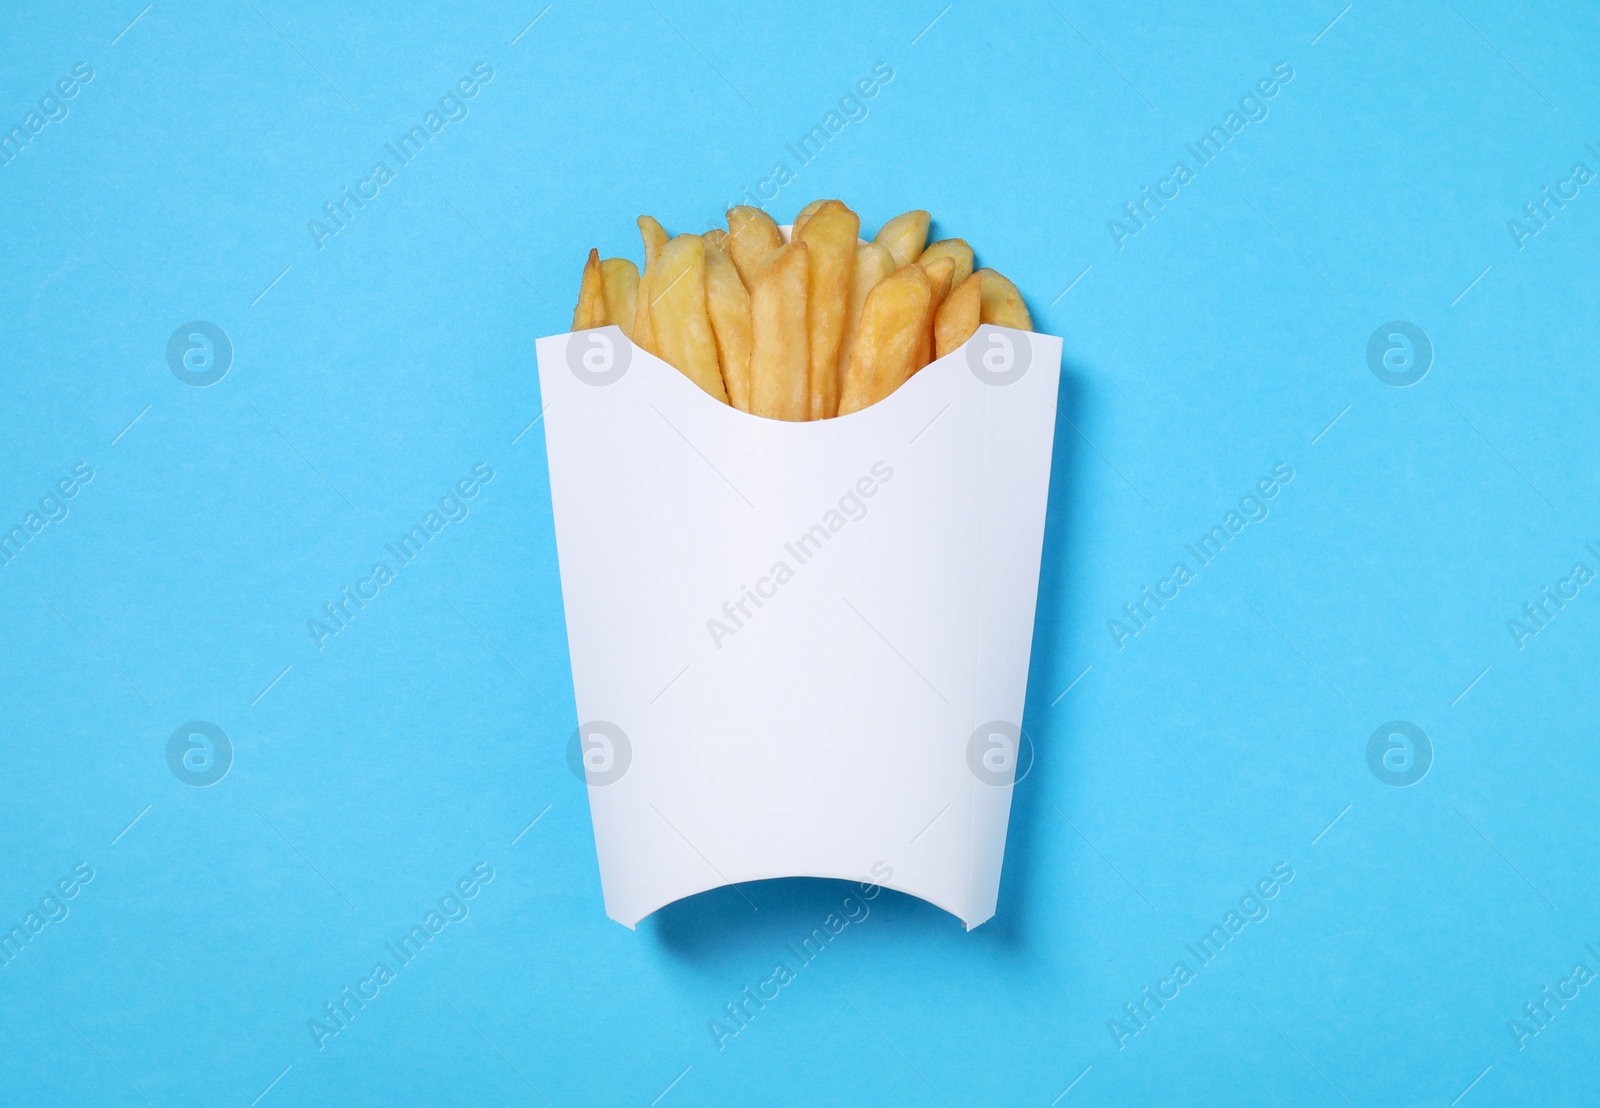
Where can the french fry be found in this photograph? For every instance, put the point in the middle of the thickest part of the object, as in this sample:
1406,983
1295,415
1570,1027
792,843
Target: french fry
716,237
1002,303
830,239
873,263
905,236
654,239
619,278
892,336
678,315
591,309
941,275
728,304
951,248
779,350
940,271
958,316
751,237
805,213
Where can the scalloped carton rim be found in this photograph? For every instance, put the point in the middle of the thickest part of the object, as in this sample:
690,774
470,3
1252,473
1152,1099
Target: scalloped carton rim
799,649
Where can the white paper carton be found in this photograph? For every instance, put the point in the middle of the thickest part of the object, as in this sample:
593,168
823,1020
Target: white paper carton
799,649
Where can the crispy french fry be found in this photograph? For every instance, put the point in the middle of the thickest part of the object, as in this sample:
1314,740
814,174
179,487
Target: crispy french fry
873,263
591,309
1002,303
716,237
941,275
830,239
779,351
678,315
951,248
892,336
805,213
654,239
751,237
940,271
619,278
924,353
728,304
958,316
905,235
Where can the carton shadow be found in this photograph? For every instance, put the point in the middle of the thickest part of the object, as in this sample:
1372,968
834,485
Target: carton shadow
752,919
1050,670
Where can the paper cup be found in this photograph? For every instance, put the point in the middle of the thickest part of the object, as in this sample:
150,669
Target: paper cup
799,649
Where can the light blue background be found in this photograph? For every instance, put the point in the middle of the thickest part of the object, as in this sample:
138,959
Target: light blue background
1226,737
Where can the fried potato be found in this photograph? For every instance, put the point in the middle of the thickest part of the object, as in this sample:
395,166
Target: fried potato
958,316
779,351
941,275
619,278
905,236
873,263
678,315
751,237
728,304
805,213
591,309
892,336
940,271
830,239
951,248
1002,303
716,237
654,239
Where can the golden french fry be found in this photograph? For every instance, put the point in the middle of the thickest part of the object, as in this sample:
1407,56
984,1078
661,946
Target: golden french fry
905,235
728,304
951,248
805,213
873,263
830,239
751,237
678,315
1002,303
716,237
958,316
654,236
591,309
779,352
654,239
619,278
942,276
940,271
892,336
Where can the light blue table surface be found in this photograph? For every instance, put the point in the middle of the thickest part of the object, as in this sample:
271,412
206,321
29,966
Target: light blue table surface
1423,951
